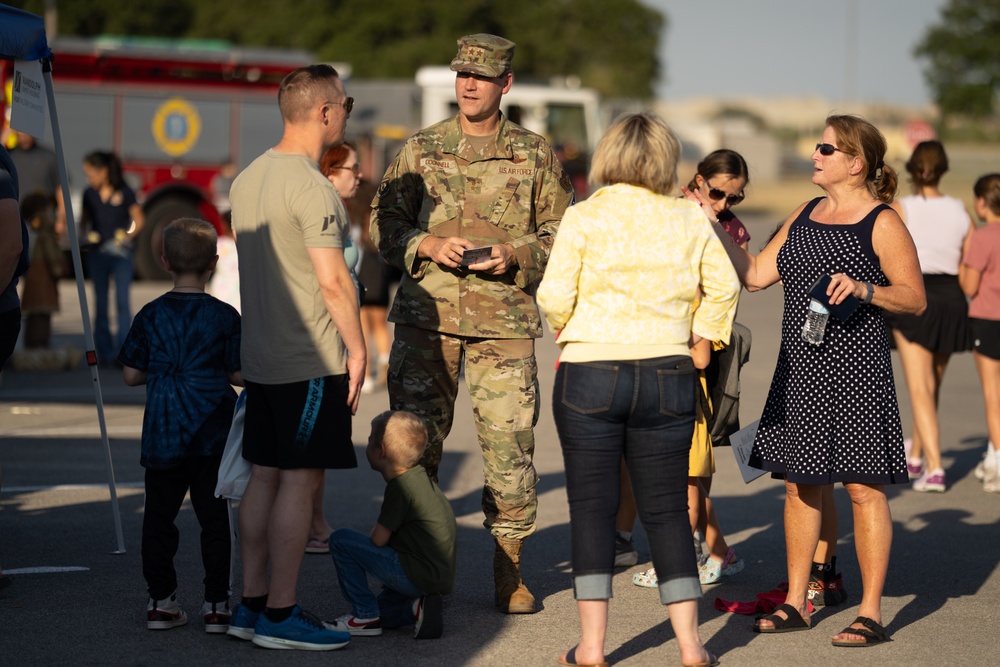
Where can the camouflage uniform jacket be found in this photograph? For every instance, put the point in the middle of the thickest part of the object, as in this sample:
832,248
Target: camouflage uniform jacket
515,192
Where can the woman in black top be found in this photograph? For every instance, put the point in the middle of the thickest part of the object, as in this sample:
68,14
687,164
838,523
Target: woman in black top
111,217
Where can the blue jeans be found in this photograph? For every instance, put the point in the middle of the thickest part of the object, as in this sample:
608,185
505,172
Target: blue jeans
645,410
103,266
355,557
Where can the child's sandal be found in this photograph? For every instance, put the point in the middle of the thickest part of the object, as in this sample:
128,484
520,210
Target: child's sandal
712,570
646,579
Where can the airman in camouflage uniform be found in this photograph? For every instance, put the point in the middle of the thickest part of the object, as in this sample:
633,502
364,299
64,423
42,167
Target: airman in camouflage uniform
475,180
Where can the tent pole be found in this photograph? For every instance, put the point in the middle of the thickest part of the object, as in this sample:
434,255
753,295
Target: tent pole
78,270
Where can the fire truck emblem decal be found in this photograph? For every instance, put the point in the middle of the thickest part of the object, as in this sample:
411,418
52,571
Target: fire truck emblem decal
176,126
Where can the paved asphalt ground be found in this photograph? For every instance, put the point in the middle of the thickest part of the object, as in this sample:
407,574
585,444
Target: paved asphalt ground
75,602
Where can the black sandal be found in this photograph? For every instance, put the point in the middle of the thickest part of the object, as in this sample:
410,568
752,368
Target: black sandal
873,633
793,623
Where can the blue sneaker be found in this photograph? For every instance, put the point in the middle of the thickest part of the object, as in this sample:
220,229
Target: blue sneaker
242,622
301,630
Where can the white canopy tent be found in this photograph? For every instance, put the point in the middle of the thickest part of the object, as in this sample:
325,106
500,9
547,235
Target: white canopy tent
22,38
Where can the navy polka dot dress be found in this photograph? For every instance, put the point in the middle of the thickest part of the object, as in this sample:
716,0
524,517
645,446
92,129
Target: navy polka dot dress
831,413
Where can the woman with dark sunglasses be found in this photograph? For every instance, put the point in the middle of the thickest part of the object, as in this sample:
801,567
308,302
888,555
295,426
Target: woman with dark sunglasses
721,180
831,413
728,169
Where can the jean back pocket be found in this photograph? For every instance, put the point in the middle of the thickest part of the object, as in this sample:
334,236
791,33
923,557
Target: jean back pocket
588,388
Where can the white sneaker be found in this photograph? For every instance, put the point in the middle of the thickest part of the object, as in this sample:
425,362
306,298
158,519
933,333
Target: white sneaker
164,614
216,616
991,480
360,627
987,465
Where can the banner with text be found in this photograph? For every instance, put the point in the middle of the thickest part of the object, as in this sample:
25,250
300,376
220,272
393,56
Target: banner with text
27,101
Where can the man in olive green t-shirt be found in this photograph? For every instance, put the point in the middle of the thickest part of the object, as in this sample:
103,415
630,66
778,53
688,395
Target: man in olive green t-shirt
302,353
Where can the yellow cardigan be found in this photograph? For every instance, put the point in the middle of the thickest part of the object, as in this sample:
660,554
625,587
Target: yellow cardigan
625,271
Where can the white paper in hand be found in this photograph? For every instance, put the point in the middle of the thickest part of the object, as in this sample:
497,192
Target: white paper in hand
742,442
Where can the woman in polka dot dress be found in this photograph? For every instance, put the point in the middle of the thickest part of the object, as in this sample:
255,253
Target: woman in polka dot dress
831,414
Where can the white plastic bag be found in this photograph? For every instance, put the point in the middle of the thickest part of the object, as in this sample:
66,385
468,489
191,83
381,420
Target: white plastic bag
234,471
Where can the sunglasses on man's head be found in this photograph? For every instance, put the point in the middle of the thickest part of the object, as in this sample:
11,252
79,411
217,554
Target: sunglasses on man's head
716,194
828,149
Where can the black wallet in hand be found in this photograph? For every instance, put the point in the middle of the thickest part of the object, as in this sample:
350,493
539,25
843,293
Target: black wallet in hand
843,310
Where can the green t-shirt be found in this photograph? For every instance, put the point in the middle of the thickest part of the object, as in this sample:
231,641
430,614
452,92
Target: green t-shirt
423,530
282,207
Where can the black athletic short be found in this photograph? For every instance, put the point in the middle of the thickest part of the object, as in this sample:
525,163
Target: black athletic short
299,425
10,327
986,337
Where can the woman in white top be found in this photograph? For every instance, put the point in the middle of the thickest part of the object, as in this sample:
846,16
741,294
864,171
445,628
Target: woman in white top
940,227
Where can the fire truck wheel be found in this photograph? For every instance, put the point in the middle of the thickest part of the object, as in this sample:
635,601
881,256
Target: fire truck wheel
149,244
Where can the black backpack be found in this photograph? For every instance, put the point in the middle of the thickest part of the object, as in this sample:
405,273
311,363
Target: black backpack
723,379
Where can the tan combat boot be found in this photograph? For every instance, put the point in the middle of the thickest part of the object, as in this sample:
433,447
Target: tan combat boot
512,596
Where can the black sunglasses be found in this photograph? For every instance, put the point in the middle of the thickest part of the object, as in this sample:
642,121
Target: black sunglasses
348,104
828,149
716,194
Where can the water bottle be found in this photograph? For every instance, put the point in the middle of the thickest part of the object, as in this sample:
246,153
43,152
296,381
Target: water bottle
119,246
815,326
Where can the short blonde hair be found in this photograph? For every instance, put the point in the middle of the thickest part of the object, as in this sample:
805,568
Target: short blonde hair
639,149
402,434
303,89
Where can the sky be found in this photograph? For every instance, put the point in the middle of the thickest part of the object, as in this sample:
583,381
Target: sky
734,48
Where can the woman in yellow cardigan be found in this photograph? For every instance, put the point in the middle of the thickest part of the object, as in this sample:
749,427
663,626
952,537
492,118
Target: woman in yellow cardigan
620,286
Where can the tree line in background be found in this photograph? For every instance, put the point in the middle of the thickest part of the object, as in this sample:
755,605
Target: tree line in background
611,45
962,53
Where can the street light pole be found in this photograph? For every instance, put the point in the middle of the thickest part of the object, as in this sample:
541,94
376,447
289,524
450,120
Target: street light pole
852,27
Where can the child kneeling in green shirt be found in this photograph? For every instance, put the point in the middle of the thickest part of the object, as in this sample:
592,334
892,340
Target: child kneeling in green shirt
411,550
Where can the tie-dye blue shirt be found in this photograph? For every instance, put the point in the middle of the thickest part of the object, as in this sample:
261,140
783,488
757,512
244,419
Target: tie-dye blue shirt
187,343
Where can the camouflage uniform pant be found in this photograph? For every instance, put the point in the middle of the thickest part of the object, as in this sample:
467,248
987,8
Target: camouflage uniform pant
501,375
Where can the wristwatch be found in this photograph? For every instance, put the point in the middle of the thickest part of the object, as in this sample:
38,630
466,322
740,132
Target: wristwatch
869,292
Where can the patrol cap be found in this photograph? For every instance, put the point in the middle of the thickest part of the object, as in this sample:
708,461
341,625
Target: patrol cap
483,54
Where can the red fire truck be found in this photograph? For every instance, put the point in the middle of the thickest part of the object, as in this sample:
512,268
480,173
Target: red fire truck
184,117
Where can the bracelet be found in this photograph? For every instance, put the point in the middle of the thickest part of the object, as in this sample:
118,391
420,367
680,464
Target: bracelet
869,293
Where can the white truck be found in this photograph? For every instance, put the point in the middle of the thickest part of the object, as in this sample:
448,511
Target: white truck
387,112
